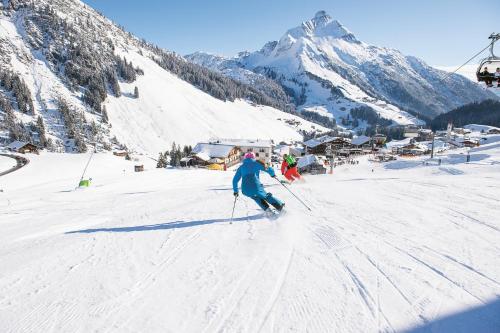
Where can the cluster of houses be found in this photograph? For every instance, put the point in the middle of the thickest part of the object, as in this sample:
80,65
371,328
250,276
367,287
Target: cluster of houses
317,153
221,154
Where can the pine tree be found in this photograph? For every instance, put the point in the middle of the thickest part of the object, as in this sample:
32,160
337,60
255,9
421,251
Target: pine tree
162,161
113,81
41,131
174,157
136,92
104,113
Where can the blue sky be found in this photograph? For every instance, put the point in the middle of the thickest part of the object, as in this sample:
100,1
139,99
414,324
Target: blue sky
442,32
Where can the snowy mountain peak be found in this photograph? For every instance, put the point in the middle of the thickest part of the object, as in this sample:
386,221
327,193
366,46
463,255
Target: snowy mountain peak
321,18
321,25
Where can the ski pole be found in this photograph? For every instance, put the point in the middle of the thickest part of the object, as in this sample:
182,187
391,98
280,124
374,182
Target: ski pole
296,197
234,206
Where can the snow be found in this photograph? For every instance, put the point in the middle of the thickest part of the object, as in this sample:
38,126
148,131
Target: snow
480,128
246,143
307,160
6,163
387,247
359,140
212,150
170,109
15,145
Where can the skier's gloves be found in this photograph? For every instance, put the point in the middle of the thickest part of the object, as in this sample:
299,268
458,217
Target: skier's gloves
236,194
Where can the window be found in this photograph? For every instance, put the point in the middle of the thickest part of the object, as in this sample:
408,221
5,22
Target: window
256,154
261,150
267,155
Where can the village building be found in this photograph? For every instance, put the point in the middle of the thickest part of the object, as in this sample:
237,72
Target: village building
411,131
207,154
262,149
289,149
424,135
411,149
361,144
22,147
468,142
318,146
120,153
311,164
462,131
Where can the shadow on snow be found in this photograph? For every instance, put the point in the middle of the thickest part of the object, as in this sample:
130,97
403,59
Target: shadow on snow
481,319
167,226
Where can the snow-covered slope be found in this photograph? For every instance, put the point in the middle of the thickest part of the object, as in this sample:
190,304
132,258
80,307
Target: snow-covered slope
62,49
382,250
330,70
170,109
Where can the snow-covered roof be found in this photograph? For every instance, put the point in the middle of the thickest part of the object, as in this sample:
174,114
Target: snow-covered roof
16,145
307,160
425,131
398,143
416,147
318,141
244,142
203,156
359,140
211,150
324,139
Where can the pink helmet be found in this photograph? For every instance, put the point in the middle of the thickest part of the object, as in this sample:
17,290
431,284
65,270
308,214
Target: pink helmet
249,155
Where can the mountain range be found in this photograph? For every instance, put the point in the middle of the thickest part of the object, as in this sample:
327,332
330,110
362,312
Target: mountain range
70,79
326,69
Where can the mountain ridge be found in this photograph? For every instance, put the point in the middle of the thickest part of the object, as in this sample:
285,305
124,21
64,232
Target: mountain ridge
325,68
91,82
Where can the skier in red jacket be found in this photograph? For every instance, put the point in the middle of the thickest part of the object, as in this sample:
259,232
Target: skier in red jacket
289,168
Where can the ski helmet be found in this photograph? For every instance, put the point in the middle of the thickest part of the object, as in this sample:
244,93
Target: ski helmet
249,155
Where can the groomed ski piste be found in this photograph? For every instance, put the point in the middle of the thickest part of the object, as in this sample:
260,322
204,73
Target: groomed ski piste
389,247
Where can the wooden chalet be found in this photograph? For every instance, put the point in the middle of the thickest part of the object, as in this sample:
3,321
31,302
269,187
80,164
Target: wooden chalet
411,149
22,147
470,143
318,146
424,135
206,154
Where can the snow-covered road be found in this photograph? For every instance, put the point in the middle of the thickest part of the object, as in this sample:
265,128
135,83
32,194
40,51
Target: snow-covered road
6,163
386,250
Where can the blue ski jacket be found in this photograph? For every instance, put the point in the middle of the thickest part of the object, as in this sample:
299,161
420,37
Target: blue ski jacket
249,173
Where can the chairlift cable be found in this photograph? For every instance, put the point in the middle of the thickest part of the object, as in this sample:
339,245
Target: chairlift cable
456,70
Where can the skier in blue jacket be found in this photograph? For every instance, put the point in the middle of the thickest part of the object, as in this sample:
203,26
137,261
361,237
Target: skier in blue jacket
251,185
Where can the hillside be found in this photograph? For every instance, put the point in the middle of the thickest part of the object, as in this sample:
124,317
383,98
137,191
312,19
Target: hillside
326,69
484,113
69,77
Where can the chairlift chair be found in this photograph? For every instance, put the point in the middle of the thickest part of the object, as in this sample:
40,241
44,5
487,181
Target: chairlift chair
492,62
